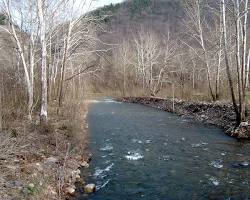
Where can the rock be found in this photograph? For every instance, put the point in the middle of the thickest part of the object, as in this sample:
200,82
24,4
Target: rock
244,164
51,191
84,164
80,182
243,124
12,184
203,117
11,167
34,174
75,173
51,160
31,186
89,188
39,167
70,190
78,177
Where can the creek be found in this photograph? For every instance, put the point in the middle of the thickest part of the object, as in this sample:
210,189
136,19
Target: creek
144,153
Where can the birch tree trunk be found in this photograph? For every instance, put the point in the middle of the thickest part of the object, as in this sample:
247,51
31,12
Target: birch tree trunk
44,107
237,55
247,69
244,69
218,69
124,79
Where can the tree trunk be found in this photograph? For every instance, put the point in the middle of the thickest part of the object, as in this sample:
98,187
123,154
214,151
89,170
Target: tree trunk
65,54
217,82
193,74
210,85
124,79
230,81
31,89
244,65
247,70
44,106
238,59
1,102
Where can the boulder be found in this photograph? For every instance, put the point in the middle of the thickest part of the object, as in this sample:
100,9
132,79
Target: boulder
77,172
51,160
84,164
78,177
70,190
31,186
244,124
90,188
244,164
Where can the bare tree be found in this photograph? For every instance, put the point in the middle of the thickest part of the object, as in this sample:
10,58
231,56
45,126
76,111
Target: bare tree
244,55
197,26
147,49
74,40
240,17
122,61
17,34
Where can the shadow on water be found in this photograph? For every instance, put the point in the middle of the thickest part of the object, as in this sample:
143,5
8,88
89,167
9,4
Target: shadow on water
143,153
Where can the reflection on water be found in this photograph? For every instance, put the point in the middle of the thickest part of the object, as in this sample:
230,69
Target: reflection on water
143,153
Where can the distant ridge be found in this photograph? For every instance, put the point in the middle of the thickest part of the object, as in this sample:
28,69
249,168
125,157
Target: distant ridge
133,14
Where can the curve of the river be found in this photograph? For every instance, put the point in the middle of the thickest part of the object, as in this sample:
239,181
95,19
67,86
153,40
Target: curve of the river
143,153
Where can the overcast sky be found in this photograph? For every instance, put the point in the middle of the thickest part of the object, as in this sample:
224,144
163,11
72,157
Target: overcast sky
100,3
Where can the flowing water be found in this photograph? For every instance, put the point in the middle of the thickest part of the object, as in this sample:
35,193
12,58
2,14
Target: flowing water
143,153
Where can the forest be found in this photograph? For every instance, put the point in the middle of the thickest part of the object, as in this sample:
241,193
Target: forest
56,54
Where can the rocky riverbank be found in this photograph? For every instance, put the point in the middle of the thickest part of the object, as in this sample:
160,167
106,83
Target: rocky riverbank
218,114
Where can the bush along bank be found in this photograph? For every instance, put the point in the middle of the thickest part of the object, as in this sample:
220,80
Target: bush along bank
219,114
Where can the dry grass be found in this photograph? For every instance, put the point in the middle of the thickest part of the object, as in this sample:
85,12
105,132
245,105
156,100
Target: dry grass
26,171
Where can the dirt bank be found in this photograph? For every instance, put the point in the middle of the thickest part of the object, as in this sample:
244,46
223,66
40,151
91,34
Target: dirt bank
218,114
42,162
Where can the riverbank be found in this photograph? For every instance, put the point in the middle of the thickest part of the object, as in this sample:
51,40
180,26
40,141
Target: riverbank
42,162
218,114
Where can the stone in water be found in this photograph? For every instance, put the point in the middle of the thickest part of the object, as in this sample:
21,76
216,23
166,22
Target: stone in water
90,188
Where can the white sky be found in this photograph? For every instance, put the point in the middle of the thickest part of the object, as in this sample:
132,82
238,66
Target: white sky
84,6
99,3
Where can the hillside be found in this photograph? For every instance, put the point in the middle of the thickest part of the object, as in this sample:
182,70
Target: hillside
134,14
